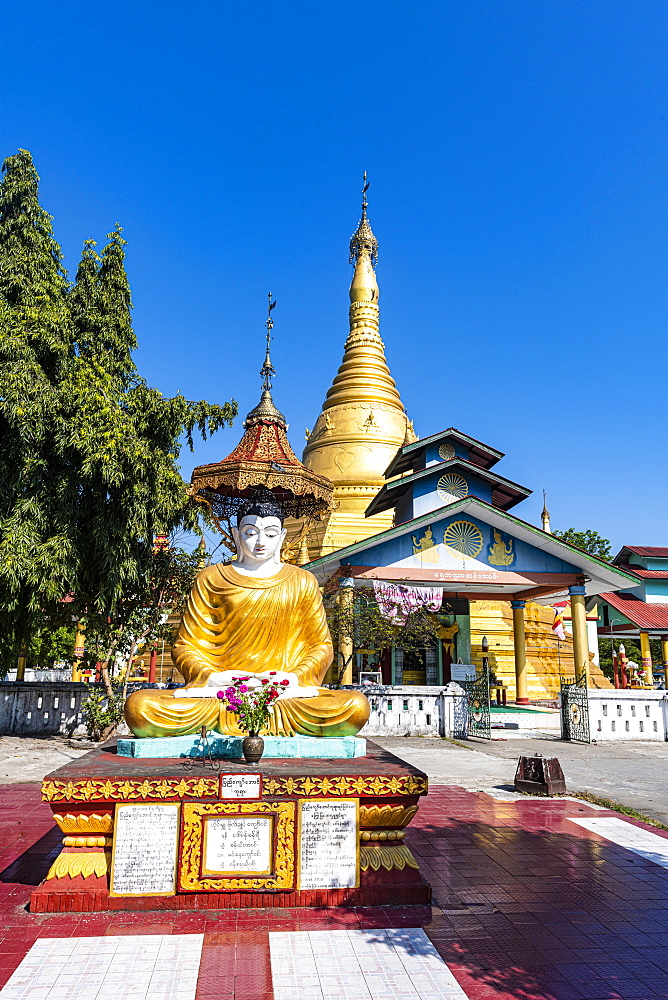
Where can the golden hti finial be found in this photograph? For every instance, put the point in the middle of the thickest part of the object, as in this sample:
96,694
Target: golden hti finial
363,240
267,371
265,408
545,515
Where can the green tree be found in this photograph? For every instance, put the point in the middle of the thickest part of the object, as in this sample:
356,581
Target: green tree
145,613
35,342
50,645
360,623
588,541
89,452
632,650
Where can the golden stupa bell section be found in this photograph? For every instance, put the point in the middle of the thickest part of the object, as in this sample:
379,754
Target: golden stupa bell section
363,421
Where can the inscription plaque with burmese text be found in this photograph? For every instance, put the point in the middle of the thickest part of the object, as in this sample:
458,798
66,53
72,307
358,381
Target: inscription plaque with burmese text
238,845
144,850
329,844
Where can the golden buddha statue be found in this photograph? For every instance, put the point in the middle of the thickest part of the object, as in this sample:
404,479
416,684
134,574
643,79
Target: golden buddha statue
251,617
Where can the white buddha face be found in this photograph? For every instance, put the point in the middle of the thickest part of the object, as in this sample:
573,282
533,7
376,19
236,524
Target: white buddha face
259,540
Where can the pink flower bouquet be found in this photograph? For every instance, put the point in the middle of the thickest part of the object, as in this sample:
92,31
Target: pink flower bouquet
251,705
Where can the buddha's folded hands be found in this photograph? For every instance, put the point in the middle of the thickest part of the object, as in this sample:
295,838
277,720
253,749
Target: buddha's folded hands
288,684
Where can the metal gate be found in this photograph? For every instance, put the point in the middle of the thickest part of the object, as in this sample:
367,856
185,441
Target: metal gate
477,706
575,710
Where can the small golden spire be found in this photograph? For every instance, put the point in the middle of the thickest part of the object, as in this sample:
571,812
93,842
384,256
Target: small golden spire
265,410
267,371
545,516
363,241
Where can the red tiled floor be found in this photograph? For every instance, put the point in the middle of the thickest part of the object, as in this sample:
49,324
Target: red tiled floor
528,905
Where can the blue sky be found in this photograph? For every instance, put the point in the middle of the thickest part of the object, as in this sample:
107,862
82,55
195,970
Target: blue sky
517,158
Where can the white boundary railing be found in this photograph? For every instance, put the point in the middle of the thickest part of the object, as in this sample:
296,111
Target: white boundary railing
632,714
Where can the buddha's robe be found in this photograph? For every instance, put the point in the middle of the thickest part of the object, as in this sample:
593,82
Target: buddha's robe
245,623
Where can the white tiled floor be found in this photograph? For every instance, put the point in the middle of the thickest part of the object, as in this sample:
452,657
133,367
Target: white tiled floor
393,964
647,845
127,967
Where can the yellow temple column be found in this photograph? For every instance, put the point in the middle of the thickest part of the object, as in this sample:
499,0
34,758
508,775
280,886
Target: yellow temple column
646,658
519,642
345,639
579,626
664,657
21,664
78,652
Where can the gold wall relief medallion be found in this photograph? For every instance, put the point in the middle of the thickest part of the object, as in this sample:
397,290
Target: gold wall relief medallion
193,878
451,487
343,460
464,537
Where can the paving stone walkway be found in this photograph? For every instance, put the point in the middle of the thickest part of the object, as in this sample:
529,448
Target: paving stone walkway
533,900
627,772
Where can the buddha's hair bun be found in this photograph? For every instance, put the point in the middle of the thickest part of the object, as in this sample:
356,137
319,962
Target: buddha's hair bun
261,503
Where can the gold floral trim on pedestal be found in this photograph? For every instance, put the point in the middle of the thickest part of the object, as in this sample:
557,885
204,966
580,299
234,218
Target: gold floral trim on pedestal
381,784
398,856
85,823
85,864
125,790
87,841
392,816
283,875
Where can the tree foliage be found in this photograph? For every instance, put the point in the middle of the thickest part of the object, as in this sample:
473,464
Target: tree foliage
632,650
589,541
50,645
88,450
360,622
145,612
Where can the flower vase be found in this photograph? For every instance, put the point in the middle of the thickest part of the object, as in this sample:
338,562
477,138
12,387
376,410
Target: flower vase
252,748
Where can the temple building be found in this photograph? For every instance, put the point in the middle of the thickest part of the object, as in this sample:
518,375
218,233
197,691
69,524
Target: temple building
640,611
436,510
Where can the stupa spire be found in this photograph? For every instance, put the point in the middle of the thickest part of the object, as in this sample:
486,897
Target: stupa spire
364,376
363,240
545,515
363,421
265,410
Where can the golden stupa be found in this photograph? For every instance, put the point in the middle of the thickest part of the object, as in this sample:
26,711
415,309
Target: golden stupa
357,434
363,421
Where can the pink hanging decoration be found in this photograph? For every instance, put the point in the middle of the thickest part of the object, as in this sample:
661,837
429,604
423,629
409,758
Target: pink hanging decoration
396,601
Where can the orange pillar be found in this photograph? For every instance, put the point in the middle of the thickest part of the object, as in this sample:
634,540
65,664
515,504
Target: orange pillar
151,665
